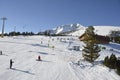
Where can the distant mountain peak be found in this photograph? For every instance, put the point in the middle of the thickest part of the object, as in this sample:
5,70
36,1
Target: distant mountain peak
77,29
67,28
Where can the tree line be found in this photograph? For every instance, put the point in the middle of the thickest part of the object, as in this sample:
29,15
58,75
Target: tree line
19,33
112,62
46,33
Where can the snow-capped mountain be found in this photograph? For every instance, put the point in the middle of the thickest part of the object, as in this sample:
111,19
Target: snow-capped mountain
68,28
100,30
65,29
77,29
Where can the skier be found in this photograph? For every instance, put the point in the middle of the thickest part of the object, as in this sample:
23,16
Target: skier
39,59
0,52
11,62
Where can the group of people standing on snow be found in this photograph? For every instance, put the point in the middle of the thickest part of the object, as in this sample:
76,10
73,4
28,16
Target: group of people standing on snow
11,61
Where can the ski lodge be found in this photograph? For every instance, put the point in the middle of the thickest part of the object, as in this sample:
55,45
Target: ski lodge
99,39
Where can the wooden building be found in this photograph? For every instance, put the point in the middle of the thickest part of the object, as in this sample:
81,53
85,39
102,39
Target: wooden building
97,38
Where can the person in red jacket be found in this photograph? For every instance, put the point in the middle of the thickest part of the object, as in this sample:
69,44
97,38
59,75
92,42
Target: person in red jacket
39,58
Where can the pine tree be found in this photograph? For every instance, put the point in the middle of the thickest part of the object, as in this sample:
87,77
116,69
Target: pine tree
90,30
118,67
106,60
91,49
112,61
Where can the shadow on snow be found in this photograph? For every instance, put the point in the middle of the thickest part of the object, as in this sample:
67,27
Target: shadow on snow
43,53
22,71
38,45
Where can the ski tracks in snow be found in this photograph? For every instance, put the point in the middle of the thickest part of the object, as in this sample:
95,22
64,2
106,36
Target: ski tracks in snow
93,72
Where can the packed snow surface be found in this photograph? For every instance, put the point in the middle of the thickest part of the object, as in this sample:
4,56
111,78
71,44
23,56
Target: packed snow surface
59,60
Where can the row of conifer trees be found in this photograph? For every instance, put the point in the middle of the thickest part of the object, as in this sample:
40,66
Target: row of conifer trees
112,62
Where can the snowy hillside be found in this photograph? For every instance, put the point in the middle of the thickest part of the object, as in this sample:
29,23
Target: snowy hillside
77,29
101,30
105,30
58,62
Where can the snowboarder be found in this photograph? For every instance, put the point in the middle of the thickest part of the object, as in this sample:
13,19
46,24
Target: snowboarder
11,62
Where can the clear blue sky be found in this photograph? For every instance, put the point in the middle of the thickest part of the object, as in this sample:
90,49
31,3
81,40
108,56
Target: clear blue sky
37,15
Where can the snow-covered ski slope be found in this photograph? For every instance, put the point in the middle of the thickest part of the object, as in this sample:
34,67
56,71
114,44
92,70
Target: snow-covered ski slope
58,63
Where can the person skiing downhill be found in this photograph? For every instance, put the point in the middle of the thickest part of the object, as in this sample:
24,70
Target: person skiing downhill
11,62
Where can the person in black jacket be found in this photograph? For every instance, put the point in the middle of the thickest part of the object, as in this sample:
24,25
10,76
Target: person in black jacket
11,62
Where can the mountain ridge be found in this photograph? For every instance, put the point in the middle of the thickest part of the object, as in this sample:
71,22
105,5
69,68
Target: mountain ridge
78,29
